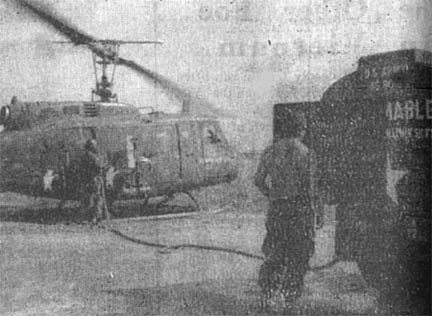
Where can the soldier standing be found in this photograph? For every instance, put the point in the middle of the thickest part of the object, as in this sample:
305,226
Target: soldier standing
94,187
285,175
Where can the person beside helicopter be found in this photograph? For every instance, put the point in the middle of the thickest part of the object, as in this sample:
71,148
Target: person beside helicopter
93,166
285,175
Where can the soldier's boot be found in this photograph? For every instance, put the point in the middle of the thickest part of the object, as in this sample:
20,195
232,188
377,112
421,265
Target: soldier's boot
95,220
107,215
99,209
274,302
289,307
291,295
97,214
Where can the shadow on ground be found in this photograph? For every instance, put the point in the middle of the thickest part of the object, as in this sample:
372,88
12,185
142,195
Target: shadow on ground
75,214
182,300
205,299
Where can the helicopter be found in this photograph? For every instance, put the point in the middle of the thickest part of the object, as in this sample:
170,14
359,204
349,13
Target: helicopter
149,154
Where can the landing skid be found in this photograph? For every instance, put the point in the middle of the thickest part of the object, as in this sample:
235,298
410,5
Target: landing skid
169,198
193,200
61,205
146,206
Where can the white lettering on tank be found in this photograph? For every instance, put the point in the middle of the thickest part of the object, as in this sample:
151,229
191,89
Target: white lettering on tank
417,108
409,110
48,180
398,114
389,111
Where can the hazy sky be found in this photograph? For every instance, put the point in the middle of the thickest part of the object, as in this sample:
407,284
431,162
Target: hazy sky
243,56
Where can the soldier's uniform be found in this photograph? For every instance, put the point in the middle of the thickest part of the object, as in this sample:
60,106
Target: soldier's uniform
285,175
93,165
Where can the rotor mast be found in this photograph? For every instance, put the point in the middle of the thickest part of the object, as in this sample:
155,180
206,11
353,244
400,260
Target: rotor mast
105,66
105,55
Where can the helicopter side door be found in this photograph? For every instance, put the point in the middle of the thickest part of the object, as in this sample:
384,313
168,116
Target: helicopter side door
166,159
16,173
68,148
218,159
191,152
144,150
53,153
126,149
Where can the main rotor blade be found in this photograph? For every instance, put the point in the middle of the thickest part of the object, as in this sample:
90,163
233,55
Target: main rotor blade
61,25
199,104
128,42
74,34
174,89
110,42
79,37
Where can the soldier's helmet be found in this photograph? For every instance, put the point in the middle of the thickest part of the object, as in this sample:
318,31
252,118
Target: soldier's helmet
91,145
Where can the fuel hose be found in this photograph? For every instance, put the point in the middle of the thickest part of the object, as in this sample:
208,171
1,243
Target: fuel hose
165,248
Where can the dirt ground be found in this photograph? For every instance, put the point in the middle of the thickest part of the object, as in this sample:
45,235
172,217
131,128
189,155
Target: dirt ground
67,268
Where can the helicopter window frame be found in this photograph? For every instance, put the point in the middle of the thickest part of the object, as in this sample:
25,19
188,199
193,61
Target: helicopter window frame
144,141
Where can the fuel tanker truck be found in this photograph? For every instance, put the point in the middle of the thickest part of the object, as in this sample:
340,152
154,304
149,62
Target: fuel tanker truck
371,131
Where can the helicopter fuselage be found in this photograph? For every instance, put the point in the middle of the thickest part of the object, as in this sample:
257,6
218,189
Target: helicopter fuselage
150,155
